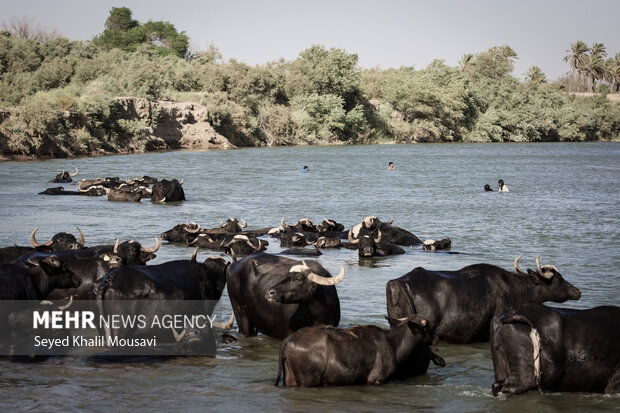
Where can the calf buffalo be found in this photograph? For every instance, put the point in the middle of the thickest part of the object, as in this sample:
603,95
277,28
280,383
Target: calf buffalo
276,296
324,356
460,304
556,349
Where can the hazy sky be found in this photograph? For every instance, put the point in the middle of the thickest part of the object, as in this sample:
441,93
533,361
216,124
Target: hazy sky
382,33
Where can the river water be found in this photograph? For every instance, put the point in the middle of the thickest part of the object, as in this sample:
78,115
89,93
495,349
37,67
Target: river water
563,204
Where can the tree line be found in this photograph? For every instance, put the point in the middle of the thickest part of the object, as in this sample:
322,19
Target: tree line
60,94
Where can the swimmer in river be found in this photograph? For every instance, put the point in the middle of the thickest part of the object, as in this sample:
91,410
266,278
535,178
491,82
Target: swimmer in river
502,187
391,166
305,169
487,188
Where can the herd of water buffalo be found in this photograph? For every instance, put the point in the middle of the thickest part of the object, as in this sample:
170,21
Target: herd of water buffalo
534,347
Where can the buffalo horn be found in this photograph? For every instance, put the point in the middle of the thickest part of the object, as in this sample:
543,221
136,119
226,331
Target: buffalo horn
227,325
153,249
81,236
232,255
221,222
75,173
315,278
178,337
546,274
115,250
64,307
244,225
192,231
195,254
391,220
516,264
34,242
181,182
283,224
351,239
378,239
252,245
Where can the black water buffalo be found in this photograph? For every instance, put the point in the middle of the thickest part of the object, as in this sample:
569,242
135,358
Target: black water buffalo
60,242
90,264
301,252
556,349
178,280
303,225
328,356
460,304
297,239
64,177
243,245
328,242
432,245
329,226
123,195
276,296
367,246
168,191
391,233
182,232
35,278
233,225
59,190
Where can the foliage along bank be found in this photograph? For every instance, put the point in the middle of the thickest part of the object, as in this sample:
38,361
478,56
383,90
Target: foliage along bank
60,98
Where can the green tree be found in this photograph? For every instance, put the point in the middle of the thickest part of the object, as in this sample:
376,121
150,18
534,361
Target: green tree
535,75
576,57
495,63
120,19
322,71
466,62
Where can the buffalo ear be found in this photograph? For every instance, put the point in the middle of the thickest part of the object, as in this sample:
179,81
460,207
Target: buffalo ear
537,277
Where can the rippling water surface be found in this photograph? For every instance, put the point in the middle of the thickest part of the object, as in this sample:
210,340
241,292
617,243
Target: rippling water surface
564,204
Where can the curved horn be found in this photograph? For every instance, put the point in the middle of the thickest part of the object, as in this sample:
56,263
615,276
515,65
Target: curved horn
252,245
115,250
540,271
34,242
244,225
81,236
283,224
378,239
225,326
153,249
195,254
516,264
391,220
64,307
350,237
178,337
221,223
192,231
181,181
232,255
315,278
74,174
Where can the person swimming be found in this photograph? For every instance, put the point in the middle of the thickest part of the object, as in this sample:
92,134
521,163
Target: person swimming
502,187
487,188
391,166
305,169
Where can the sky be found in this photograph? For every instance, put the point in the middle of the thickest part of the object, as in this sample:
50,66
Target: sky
388,33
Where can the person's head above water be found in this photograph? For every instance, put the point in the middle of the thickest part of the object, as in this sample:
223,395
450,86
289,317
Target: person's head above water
391,166
487,187
305,168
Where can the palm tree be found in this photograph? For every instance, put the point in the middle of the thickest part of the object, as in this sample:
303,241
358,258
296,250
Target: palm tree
599,49
577,53
592,68
612,74
466,62
535,75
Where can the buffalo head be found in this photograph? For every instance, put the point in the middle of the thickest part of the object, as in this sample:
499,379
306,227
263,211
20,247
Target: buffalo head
299,284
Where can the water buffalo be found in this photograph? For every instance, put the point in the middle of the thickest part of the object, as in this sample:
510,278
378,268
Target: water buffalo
328,242
297,239
276,296
329,226
180,280
432,245
59,190
460,304
35,278
64,177
367,246
233,225
168,191
301,252
123,195
303,224
182,232
327,356
391,233
556,349
243,245
60,242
